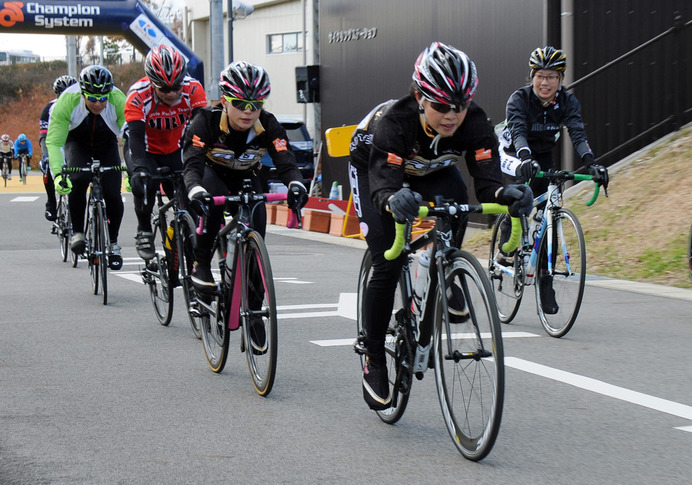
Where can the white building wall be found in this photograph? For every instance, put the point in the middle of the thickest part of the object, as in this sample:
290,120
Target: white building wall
250,44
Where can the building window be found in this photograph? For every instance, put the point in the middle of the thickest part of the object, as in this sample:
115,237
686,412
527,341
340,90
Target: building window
281,43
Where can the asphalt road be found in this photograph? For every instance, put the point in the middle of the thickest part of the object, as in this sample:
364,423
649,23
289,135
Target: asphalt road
93,394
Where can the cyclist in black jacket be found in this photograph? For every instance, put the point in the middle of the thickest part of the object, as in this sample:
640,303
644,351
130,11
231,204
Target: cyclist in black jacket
418,140
223,146
535,115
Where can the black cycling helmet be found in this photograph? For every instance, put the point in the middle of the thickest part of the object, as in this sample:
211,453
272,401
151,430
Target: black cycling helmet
547,58
443,74
96,80
61,83
165,66
245,81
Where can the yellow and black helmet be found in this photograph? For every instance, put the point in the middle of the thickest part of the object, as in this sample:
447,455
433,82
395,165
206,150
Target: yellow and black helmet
547,58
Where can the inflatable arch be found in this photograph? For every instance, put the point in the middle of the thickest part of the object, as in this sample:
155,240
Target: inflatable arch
130,19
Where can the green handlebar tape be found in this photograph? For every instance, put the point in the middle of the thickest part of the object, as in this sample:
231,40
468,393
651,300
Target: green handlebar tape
513,242
394,252
596,190
579,177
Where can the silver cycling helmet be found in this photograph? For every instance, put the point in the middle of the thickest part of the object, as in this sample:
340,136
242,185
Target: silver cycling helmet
443,74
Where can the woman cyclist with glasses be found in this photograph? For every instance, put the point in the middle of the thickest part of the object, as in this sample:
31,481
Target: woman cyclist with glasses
223,146
418,140
85,122
158,108
535,115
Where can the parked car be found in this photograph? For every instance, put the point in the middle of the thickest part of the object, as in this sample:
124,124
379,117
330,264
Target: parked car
303,146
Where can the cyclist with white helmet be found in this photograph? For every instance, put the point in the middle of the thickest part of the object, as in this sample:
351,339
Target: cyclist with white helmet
59,85
404,151
158,108
85,124
22,146
7,152
535,115
223,146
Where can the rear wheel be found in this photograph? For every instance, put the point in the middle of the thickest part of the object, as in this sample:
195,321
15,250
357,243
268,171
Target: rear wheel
508,289
258,314
395,345
569,273
469,360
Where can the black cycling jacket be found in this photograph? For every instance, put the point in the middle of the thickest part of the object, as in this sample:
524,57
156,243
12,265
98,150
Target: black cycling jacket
390,144
537,127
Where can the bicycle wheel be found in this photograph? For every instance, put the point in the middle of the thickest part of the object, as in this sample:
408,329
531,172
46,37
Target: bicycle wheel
104,241
213,320
186,241
92,247
22,170
469,360
400,379
160,288
258,314
62,225
569,277
508,290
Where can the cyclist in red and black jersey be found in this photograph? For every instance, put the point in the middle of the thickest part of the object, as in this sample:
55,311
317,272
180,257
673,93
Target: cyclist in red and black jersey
59,85
157,109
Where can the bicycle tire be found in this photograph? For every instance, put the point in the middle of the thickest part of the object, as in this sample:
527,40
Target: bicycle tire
507,289
91,248
22,169
470,384
258,307
160,288
568,285
62,224
104,241
186,241
399,384
214,326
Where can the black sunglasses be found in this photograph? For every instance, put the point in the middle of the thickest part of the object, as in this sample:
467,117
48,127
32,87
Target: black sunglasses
169,89
446,108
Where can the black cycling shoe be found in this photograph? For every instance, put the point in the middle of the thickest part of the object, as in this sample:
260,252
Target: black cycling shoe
376,384
202,279
115,260
548,302
145,245
258,336
50,213
458,311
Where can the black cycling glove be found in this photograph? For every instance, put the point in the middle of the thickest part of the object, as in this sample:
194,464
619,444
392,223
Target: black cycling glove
404,204
518,198
297,195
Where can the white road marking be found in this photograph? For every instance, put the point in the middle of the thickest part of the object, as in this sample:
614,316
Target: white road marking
600,387
24,198
349,341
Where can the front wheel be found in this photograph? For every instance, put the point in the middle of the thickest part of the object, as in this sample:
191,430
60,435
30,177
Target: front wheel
258,314
22,170
396,349
213,321
161,290
507,287
63,227
469,359
568,251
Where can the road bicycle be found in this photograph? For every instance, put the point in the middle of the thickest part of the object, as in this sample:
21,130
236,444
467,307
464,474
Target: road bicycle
62,227
468,356
22,163
245,297
174,233
6,168
552,247
97,251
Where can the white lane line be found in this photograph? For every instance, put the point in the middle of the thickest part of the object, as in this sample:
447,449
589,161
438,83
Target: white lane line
24,198
685,428
340,342
600,387
307,306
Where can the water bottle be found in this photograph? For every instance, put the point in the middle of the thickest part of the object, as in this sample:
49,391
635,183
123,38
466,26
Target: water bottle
334,193
421,277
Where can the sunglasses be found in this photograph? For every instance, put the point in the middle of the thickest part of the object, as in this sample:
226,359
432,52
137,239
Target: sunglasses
245,104
169,89
95,98
446,108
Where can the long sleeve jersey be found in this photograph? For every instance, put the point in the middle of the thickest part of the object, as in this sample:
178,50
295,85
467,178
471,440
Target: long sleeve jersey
70,117
536,127
391,143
